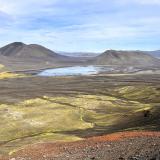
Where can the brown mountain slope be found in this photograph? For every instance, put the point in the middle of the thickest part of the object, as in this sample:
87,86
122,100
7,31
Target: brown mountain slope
113,57
20,56
21,50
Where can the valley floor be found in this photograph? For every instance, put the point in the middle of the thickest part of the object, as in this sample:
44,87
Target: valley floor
49,110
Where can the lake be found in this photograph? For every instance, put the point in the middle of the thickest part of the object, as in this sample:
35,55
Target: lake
74,71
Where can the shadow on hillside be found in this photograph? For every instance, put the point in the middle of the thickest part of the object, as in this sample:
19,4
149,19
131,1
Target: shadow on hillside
134,122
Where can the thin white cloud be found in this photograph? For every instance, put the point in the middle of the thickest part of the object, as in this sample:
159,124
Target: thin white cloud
19,7
140,2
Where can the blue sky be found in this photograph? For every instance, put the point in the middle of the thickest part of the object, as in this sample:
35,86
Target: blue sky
82,25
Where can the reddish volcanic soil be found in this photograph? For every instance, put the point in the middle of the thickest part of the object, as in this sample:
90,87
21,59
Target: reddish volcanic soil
117,146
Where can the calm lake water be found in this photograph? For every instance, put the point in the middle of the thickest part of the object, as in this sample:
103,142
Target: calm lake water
74,71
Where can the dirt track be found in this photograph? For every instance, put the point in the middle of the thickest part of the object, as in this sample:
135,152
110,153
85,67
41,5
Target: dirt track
117,146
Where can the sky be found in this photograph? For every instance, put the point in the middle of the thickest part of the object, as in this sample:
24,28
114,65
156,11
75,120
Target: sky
82,25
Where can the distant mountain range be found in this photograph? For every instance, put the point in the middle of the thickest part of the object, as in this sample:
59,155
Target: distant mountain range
79,54
25,56
154,53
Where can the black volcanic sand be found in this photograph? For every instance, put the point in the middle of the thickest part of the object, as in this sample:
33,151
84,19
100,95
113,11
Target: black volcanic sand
19,89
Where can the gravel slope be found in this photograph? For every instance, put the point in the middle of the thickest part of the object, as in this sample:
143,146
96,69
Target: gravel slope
117,146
